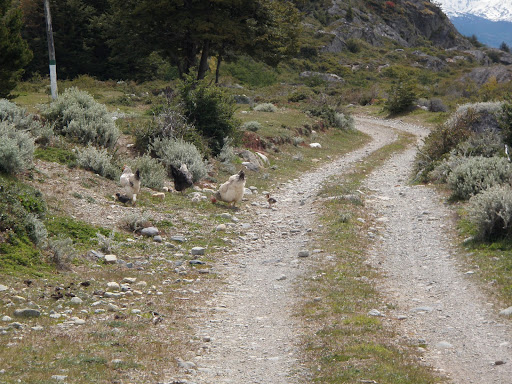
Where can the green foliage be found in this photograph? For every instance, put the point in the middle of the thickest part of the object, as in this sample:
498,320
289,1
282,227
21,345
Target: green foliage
14,51
23,121
343,121
401,96
491,213
505,121
62,252
251,72
135,221
504,47
331,116
16,149
210,109
176,152
299,95
98,161
265,107
476,174
152,171
168,123
353,45
77,115
82,233
252,126
56,155
21,229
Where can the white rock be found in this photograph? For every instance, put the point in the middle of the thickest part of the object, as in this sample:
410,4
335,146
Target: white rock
129,280
6,318
221,227
110,259
3,288
315,145
113,286
76,300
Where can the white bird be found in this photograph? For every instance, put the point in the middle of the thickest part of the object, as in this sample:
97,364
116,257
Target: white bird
506,152
232,191
130,182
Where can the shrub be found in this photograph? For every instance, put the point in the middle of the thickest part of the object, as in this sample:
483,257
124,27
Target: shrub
22,121
16,149
251,72
210,109
343,121
477,174
485,144
77,115
106,244
297,140
252,126
265,107
98,161
168,123
178,151
153,173
401,96
135,221
36,230
491,212
299,95
437,105
62,252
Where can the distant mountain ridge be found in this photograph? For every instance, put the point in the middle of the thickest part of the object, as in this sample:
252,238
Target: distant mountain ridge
495,10
491,33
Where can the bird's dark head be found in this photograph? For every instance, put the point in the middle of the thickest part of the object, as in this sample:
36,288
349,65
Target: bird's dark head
118,195
241,175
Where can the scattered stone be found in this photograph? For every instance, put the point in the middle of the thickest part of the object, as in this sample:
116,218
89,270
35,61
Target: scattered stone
27,312
78,321
112,308
196,262
76,300
97,254
221,227
225,216
37,328
506,312
375,312
117,361
59,377
179,239
16,325
158,239
3,288
251,166
19,299
149,231
282,277
401,317
113,286
303,253
136,311
6,318
422,309
499,362
197,251
186,364
129,280
110,259
444,345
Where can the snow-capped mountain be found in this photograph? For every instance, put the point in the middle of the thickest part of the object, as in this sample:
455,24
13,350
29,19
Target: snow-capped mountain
494,10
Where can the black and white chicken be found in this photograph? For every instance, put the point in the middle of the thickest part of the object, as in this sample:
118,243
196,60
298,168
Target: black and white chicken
183,178
130,182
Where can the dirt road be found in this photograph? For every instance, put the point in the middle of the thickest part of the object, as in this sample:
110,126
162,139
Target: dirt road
248,333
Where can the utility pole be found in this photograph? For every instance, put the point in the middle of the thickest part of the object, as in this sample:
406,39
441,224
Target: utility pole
51,49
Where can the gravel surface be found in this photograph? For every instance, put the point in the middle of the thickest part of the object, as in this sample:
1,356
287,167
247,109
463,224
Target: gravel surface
248,333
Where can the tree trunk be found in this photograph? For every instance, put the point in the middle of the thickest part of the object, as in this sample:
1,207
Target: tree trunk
203,64
217,70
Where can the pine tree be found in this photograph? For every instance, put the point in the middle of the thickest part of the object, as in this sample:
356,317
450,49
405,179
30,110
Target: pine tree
14,51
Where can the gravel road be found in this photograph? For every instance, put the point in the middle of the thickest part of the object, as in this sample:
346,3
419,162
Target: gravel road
248,333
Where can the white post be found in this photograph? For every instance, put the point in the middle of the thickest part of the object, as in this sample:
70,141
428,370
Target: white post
51,49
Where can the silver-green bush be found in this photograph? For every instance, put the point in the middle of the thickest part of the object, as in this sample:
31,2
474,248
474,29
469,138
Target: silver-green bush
476,174
77,115
478,117
62,252
252,126
343,121
36,230
177,152
265,107
98,161
16,149
491,212
152,171
135,221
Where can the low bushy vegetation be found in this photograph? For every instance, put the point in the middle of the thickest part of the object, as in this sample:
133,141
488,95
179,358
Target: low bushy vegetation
210,109
401,96
24,121
491,213
98,161
252,126
153,173
135,221
16,149
176,152
77,115
265,107
476,174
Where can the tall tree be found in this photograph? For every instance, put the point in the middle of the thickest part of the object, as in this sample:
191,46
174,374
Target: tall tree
14,51
189,32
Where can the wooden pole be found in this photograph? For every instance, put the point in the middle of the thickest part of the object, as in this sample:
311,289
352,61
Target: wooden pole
51,49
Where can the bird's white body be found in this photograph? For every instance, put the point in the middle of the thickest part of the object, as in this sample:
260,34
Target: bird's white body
130,183
232,191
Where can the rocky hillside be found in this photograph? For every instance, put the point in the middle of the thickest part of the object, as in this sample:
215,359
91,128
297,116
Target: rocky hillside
403,23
